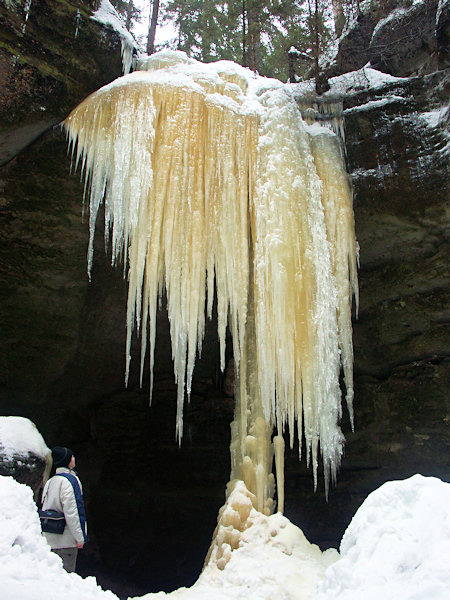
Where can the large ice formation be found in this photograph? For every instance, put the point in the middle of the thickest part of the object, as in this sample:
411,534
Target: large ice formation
214,185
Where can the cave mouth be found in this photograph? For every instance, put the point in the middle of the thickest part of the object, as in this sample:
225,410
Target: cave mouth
151,503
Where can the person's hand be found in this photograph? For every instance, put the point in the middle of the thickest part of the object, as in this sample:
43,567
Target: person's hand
79,545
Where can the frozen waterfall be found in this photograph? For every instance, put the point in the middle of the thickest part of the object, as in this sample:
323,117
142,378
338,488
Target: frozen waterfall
213,183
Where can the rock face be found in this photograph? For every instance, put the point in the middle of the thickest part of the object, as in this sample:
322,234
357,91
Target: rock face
405,42
63,339
397,37
51,57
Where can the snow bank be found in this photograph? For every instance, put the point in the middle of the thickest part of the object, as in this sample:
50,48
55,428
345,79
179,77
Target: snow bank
20,437
107,15
434,118
397,545
396,548
28,569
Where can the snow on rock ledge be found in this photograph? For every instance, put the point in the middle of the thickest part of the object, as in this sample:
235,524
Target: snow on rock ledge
23,452
19,436
107,15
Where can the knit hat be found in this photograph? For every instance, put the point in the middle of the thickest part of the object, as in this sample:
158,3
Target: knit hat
61,456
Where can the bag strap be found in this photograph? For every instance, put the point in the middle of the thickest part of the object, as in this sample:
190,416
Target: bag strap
79,500
46,492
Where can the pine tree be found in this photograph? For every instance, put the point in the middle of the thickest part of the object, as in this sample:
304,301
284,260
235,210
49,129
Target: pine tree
152,27
128,10
255,33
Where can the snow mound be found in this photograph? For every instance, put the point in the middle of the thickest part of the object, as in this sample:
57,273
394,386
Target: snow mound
20,437
28,569
396,548
256,557
397,545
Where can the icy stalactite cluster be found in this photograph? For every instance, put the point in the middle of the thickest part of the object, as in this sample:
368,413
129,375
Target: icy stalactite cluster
212,182
327,112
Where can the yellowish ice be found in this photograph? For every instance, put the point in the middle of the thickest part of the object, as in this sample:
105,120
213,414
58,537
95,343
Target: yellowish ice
213,184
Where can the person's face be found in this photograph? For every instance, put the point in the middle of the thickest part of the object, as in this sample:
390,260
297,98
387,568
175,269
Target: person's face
72,462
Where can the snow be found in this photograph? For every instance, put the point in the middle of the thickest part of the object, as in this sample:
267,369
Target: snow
396,548
440,8
28,569
434,118
398,13
349,83
107,15
374,104
394,15
397,545
19,436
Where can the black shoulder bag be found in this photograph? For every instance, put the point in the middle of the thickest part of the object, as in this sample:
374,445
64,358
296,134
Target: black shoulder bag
52,521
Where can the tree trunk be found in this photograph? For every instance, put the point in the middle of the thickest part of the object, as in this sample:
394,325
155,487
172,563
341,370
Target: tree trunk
205,33
129,14
244,35
254,37
316,40
152,27
339,17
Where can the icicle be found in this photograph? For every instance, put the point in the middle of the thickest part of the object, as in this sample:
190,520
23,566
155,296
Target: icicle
213,182
278,444
77,22
127,55
26,9
328,112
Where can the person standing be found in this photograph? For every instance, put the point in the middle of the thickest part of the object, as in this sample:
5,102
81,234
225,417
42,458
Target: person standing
63,492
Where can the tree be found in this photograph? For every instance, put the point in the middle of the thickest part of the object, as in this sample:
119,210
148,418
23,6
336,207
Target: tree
320,35
128,10
206,30
256,33
339,16
152,27
129,14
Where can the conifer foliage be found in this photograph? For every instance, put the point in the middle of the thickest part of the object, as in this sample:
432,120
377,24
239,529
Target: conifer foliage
254,33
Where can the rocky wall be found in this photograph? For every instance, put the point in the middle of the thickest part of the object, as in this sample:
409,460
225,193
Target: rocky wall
152,505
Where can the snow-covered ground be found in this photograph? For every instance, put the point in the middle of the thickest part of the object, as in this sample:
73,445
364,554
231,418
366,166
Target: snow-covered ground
397,547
